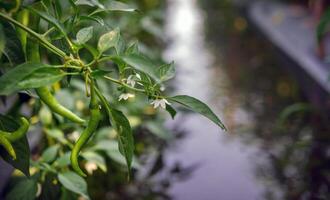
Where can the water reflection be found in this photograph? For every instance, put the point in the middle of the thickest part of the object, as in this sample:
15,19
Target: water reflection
224,163
276,146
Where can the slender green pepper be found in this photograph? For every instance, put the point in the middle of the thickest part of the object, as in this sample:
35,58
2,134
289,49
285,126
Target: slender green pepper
32,54
55,106
19,133
7,145
87,133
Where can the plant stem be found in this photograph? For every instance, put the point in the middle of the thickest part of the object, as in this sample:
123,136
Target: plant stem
123,84
39,37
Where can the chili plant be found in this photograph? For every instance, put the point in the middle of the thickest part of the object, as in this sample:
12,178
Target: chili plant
61,42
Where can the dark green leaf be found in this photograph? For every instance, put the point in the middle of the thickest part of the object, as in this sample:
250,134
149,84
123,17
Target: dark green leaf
21,146
124,131
125,136
74,183
171,110
323,26
84,35
166,72
133,48
108,40
196,105
93,18
142,64
25,189
2,40
29,75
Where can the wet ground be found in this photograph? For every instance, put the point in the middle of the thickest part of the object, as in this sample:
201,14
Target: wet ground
276,146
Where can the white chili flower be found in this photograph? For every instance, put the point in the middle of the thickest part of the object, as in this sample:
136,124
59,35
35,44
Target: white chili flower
132,79
125,96
74,136
160,102
90,167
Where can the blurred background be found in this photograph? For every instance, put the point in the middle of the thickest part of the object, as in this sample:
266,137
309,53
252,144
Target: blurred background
258,63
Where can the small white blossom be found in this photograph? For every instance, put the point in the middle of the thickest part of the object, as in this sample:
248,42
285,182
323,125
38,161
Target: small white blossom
132,79
90,167
160,102
125,96
74,136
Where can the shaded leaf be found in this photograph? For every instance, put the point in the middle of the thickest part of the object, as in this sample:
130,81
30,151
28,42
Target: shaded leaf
25,189
116,6
95,158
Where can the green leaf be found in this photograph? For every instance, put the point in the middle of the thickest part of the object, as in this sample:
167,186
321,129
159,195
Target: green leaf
64,160
74,183
118,157
142,64
49,155
196,105
93,18
93,157
125,136
92,3
166,72
323,26
50,19
29,75
124,131
115,6
108,40
2,40
171,110
105,145
133,48
98,73
84,35
25,189
20,146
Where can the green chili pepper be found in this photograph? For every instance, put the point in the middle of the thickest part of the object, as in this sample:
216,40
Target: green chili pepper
87,133
19,133
32,54
55,106
7,145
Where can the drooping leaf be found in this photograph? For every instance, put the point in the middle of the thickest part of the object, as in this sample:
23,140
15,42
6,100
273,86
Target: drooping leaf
20,146
171,111
142,64
196,105
124,131
166,72
29,75
84,35
108,40
125,136
74,183
25,189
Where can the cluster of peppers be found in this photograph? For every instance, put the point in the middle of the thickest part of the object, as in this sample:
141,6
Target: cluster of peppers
32,55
